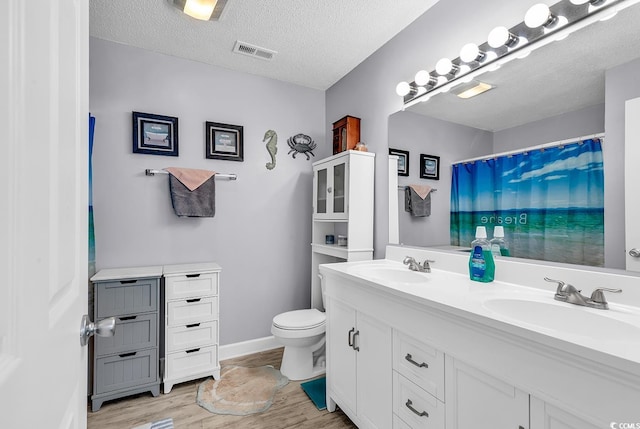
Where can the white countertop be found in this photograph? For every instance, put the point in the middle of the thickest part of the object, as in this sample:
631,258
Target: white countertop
127,273
608,336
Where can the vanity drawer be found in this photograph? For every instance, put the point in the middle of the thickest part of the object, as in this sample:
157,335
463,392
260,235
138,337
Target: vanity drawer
189,336
414,406
120,297
192,310
191,285
132,333
192,361
419,362
125,370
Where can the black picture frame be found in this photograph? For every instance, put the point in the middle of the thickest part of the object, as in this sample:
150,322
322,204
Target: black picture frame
155,134
429,167
403,161
224,141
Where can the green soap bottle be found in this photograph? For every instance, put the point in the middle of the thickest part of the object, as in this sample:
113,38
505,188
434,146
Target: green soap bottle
481,265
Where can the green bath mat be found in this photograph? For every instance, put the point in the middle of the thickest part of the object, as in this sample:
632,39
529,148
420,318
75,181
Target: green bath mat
316,390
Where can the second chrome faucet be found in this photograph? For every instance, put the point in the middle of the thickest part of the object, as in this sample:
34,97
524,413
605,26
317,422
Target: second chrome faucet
568,293
417,266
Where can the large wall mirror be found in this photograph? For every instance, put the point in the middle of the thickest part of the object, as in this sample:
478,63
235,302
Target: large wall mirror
568,89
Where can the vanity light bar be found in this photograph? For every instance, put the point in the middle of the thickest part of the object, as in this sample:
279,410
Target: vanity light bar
504,45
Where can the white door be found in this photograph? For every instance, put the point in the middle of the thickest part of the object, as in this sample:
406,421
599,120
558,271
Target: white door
632,202
43,212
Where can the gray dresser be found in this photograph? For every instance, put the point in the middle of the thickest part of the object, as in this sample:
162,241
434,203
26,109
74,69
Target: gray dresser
126,363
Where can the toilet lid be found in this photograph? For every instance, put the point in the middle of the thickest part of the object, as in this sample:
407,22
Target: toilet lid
299,319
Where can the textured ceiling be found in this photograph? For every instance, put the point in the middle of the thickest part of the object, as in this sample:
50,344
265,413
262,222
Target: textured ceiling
561,77
318,41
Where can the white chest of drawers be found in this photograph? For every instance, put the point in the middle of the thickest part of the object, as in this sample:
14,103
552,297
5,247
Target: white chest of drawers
191,319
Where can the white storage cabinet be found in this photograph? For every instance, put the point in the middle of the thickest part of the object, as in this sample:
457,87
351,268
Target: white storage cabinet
191,322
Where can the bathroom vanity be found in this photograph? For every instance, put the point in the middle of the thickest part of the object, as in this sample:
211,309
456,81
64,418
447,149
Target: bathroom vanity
436,350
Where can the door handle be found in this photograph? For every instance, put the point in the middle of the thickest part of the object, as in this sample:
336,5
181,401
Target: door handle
635,253
104,328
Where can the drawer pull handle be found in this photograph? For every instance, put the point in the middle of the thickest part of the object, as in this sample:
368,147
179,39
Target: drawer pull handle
356,334
193,325
190,276
409,405
127,318
127,282
128,354
194,300
193,350
419,365
351,331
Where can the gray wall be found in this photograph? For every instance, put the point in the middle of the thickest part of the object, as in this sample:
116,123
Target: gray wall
452,142
368,92
261,233
621,84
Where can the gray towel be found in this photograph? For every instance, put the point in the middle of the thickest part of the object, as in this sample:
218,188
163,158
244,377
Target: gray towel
200,202
416,205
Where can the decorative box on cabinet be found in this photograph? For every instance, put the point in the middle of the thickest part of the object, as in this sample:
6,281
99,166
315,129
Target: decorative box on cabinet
190,322
126,363
346,134
342,205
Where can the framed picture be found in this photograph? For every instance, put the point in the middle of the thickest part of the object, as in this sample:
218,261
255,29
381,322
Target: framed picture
403,161
155,134
224,141
429,167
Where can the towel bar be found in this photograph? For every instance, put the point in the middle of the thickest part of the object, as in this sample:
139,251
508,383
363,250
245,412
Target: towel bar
401,188
152,172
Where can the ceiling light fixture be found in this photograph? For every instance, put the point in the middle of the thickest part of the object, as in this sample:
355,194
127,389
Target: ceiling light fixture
471,89
542,25
204,10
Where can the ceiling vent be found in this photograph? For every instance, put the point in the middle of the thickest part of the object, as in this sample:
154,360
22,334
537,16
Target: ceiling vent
253,51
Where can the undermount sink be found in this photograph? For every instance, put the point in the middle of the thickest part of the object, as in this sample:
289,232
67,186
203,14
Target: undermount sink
562,317
390,274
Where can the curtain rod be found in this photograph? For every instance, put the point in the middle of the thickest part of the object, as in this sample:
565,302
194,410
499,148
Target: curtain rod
528,149
152,172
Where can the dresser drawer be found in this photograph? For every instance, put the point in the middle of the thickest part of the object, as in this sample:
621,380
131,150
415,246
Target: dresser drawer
189,336
414,406
191,285
132,333
188,311
125,370
419,362
123,297
193,361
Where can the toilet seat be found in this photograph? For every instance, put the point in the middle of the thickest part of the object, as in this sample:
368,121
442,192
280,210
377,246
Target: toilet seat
300,320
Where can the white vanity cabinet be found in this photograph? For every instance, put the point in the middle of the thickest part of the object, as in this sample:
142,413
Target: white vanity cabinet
475,399
359,356
546,416
190,322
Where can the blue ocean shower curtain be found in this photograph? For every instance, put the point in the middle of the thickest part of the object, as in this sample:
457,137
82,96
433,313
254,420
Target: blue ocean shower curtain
550,202
92,240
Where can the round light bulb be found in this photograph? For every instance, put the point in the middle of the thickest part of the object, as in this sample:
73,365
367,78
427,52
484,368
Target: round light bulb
422,78
498,37
403,88
444,66
537,15
470,53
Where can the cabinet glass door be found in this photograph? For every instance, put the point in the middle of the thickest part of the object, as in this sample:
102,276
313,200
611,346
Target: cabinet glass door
339,175
321,192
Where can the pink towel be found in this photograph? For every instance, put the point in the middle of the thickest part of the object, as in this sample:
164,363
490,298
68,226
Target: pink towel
421,190
190,177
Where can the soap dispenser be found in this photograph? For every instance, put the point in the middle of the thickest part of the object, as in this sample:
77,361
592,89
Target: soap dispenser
481,265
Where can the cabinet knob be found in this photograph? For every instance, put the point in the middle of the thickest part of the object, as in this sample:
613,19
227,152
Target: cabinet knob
329,189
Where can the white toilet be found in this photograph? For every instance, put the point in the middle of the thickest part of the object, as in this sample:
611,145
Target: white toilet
302,334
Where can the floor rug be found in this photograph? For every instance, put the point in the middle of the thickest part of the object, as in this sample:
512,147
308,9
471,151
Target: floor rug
317,391
240,390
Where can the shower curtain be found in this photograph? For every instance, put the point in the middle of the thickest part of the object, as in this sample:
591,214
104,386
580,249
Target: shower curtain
92,242
550,202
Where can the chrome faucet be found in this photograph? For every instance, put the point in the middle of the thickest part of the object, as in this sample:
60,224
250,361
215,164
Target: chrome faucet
568,293
417,266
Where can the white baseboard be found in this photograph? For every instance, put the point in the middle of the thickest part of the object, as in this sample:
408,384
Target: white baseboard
248,347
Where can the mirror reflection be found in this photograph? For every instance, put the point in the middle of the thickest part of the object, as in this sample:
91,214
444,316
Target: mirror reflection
565,91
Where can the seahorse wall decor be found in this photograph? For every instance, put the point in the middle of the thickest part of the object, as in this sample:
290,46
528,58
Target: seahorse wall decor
272,147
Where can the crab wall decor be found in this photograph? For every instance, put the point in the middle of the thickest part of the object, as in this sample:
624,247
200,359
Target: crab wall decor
301,143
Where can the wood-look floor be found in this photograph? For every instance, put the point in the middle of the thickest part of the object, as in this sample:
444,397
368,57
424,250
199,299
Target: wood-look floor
291,407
